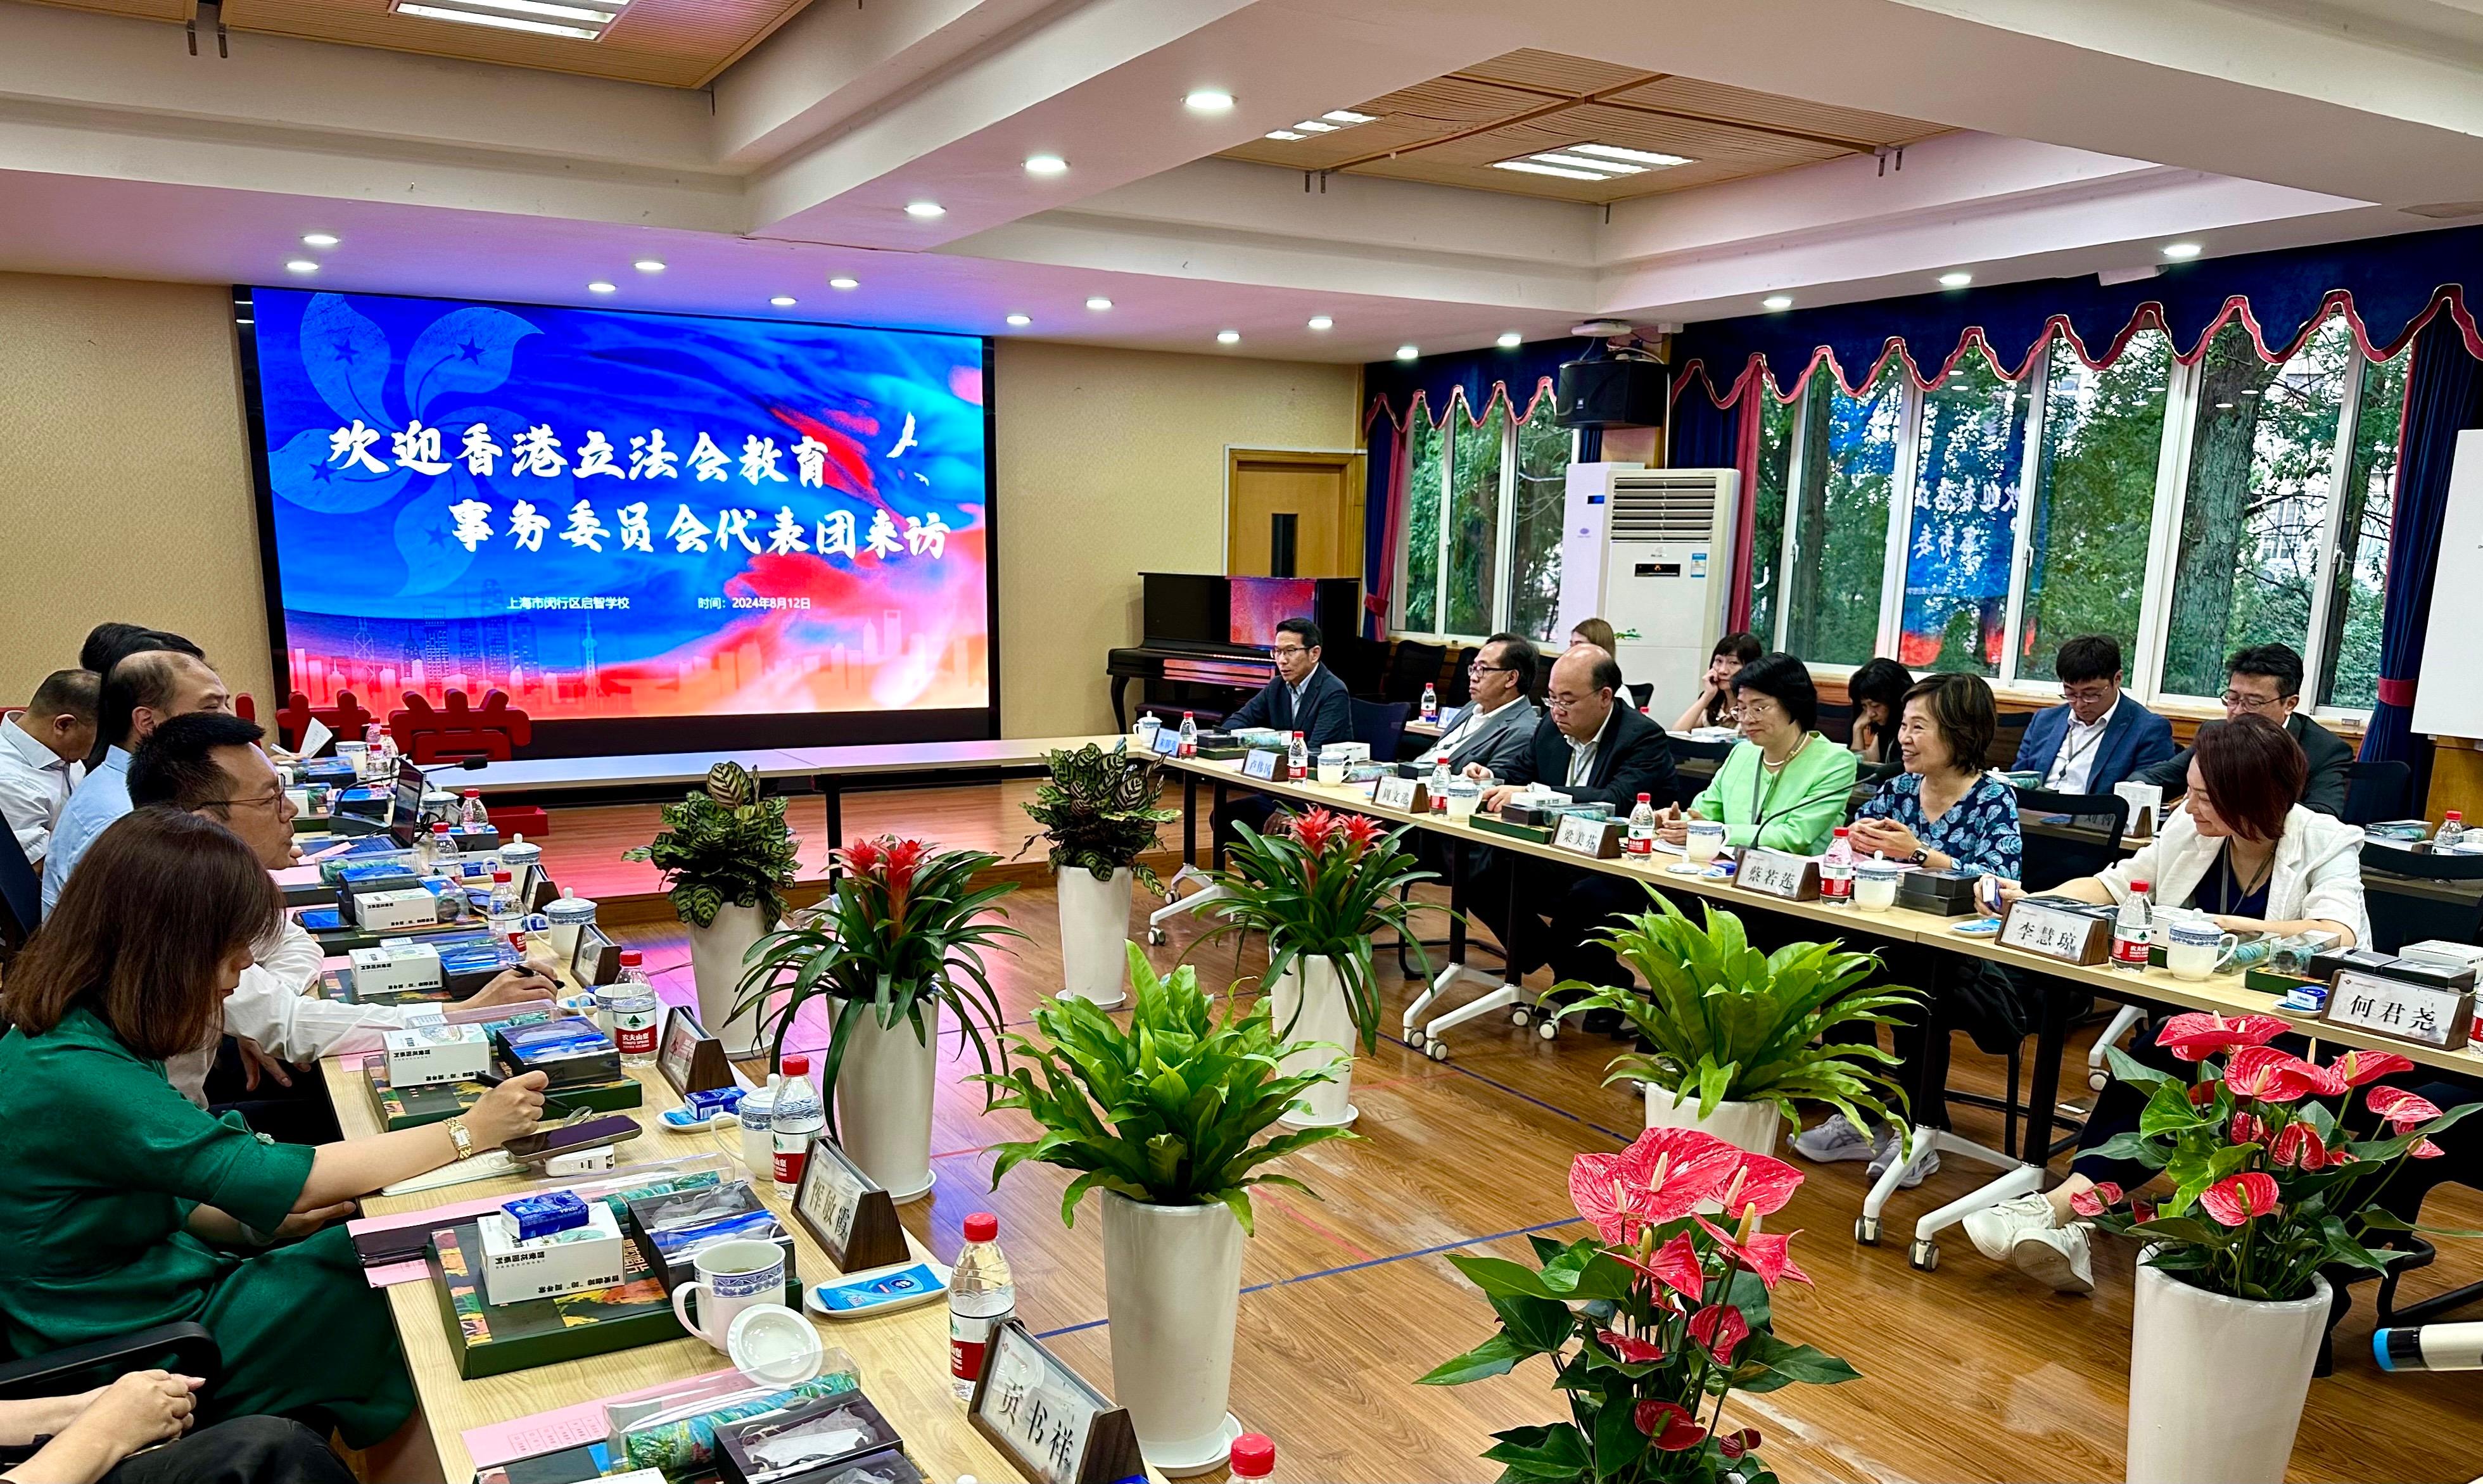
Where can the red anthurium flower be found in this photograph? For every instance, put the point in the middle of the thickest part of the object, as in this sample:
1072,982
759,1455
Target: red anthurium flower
2424,1149
1661,1177
1633,1351
1766,1253
1721,1329
2268,1074
2298,1146
1735,1444
2355,1069
2401,1108
2247,1128
1675,1265
2237,1198
1361,833
2196,1035
1667,1424
2095,1200
1762,1185
2201,1094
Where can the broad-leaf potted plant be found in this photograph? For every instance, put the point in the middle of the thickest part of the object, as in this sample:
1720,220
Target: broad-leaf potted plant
898,941
1097,810
1737,1032
1319,885
2269,1187
727,857
1170,1120
1651,1323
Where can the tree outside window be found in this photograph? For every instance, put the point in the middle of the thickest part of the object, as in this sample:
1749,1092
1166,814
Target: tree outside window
1848,458
2095,498
1485,507
1540,504
1768,506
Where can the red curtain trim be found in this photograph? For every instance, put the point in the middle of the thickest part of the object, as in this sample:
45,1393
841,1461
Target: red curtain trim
2396,693
1746,457
2450,299
1500,396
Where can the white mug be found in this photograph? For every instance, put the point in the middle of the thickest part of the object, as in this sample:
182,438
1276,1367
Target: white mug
2196,949
731,1277
1705,840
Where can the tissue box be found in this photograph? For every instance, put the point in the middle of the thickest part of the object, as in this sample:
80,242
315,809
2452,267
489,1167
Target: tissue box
370,850
581,1257
568,1050
437,1054
1943,894
395,968
376,911
545,1214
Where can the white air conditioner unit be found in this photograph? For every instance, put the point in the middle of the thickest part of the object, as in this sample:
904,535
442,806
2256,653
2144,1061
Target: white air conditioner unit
1651,552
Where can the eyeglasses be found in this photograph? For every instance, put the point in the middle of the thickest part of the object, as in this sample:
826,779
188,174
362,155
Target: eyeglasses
1290,650
1569,700
1478,667
2239,702
273,799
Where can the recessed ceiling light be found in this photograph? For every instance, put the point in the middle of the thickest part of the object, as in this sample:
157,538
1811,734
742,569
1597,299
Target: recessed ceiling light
1046,164
1509,340
1582,162
598,286
578,20
1021,320
1317,126
1409,352
319,239
1098,301
1651,159
1776,302
1529,167
845,283
2182,251
1283,134
782,301
1208,100
648,265
925,210
1228,338
1956,280
1321,321
302,265
1346,116
1592,161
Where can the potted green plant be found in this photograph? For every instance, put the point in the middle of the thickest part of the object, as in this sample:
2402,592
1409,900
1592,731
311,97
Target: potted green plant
1169,1119
1651,1323
899,941
1097,810
727,858
2269,1187
1737,1032
1320,887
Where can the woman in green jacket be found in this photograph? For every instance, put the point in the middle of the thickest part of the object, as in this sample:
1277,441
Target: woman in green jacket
1784,787
128,1207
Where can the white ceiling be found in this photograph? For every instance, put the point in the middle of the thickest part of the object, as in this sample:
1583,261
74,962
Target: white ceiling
2087,137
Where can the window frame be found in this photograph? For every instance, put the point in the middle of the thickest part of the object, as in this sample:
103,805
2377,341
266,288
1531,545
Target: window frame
1460,420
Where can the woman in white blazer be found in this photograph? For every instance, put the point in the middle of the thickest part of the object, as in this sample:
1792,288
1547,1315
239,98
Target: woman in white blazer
2242,850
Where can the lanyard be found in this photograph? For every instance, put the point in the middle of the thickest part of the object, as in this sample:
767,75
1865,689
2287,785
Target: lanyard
2069,754
1759,801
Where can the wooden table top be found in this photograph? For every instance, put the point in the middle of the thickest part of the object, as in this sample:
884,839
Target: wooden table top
2223,994
649,769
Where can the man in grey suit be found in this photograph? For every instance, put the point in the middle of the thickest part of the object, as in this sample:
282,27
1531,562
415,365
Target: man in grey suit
1497,727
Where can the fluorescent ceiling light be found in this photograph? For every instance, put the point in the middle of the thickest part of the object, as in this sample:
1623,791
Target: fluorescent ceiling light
1509,340
1647,157
1021,320
598,286
1530,168
782,301
1283,134
1956,280
1321,321
844,283
648,265
1208,100
1776,302
581,21
1346,116
302,265
2182,251
1228,338
1098,301
1046,164
1316,126
1581,162
1590,162
319,239
1409,352
925,210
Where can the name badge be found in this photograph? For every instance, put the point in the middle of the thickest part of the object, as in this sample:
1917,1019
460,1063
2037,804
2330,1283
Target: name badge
1401,793
2052,932
1053,1426
1582,835
1778,873
2425,1014
1260,763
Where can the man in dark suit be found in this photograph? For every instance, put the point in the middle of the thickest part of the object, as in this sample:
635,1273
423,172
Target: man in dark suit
1594,749
2266,680
1497,727
2100,736
1305,697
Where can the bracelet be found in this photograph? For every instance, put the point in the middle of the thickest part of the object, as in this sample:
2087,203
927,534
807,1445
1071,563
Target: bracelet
464,1139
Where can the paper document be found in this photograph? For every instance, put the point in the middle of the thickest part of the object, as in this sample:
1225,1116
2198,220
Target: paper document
315,736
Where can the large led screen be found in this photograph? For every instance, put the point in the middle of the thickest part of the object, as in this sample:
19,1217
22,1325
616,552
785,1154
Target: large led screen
613,515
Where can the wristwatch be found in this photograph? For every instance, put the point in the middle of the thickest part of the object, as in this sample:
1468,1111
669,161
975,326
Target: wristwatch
465,1140
1921,857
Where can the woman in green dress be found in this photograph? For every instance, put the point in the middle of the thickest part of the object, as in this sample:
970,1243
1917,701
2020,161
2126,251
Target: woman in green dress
1784,787
129,1207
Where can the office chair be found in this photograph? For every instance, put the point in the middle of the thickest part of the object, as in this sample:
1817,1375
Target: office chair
1411,666
2007,738
1688,785
1380,725
2416,895
21,895
187,1349
2081,839
1836,721
1641,693
2377,790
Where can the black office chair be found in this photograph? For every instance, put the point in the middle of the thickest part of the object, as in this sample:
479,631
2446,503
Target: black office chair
2409,896
2081,839
187,1349
1690,786
2377,790
1381,724
1871,775
2007,738
1641,693
1458,688
21,895
1411,666
1836,719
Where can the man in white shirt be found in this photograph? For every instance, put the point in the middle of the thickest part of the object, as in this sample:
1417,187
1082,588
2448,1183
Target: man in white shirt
42,753
143,689
2099,736
211,764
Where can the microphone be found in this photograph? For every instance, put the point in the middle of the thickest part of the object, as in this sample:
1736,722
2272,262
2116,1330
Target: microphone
2430,1347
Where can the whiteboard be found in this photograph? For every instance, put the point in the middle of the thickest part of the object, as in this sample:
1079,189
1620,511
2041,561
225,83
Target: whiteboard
2448,695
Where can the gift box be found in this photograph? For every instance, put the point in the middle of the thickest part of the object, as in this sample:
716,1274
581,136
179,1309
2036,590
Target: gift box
425,1055
573,1260
670,1230
569,1051
813,1438
396,968
1941,893
377,912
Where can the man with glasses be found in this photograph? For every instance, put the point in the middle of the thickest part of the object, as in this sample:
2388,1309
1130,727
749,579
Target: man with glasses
211,763
2266,680
1304,697
2099,737
156,677
1497,727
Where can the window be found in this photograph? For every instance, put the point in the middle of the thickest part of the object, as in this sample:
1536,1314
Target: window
2095,499
1962,539
1483,528
1846,462
1768,508
2350,651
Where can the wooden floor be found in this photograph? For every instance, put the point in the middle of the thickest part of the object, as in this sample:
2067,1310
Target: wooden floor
1969,1372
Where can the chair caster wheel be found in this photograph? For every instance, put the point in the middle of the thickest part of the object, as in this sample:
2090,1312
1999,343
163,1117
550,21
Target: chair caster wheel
1925,1255
1437,1050
1155,937
1519,1019
2099,1080
1549,1029
1866,1231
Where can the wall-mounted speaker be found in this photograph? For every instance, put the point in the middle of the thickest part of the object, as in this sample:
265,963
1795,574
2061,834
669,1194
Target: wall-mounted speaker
1612,393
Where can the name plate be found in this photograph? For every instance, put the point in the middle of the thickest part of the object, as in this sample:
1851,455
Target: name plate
1403,793
689,1058
2424,1013
1585,835
597,959
1780,873
1051,1423
2035,926
847,1212
1261,763
1167,742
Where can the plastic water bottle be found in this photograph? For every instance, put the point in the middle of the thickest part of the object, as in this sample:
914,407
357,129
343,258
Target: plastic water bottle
1430,702
470,814
507,916
981,1295
440,852
1189,735
1641,829
1297,759
1253,1456
1439,785
798,1118
1837,870
627,1012
2452,829
2130,929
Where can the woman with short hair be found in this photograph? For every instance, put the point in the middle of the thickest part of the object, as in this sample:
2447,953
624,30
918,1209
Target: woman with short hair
1784,787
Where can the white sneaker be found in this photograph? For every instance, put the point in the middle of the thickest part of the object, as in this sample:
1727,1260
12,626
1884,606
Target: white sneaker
1835,1139
1884,1151
2021,1232
1996,1228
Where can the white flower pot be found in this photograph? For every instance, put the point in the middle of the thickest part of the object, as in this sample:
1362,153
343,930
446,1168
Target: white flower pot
717,952
1754,1127
2216,1384
884,1089
1172,1279
1094,934
1309,1004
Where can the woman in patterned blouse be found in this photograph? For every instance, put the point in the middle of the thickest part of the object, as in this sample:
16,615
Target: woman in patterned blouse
1944,812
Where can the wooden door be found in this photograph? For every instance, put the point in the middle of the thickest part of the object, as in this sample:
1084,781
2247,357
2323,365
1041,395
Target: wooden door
1313,500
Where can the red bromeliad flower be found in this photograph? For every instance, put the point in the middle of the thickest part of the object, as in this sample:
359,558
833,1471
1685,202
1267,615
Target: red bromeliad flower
2401,1108
1763,1184
904,859
2355,1069
1667,1424
1361,833
2268,1074
1315,829
2247,1128
1663,1177
1721,1329
2237,1198
862,858
1766,1253
1735,1444
2196,1034
1675,1266
1632,1351
2095,1200
2298,1146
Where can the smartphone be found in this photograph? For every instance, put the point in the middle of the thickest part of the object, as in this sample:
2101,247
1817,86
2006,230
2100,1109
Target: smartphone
1980,927
570,1138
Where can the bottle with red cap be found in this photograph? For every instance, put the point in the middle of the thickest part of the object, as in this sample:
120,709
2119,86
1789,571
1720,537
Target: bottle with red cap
981,1295
798,1118
1254,1456
2130,926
